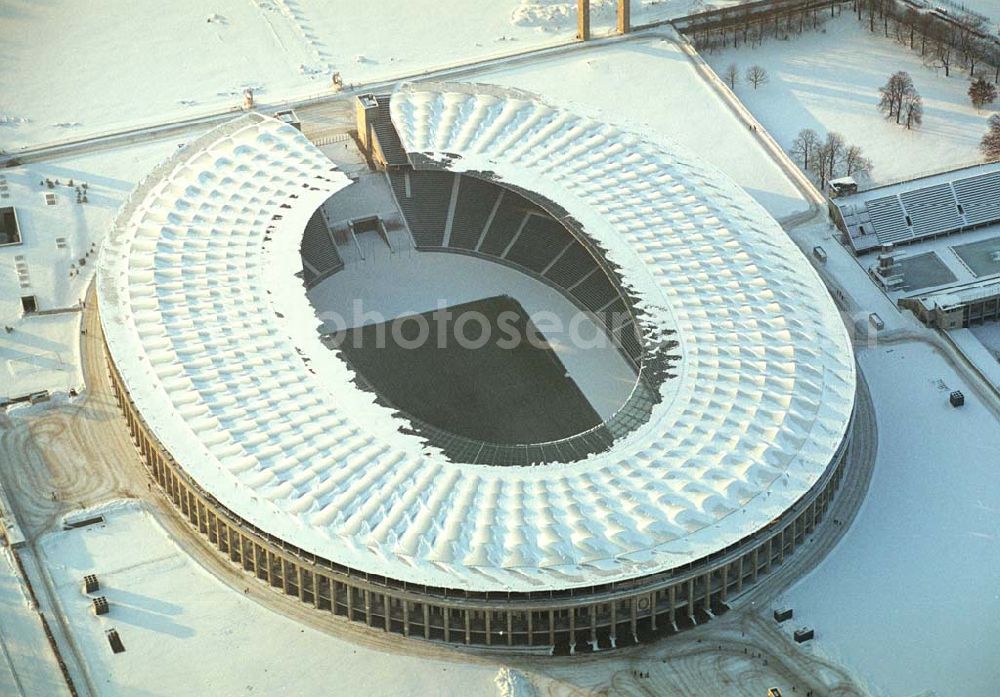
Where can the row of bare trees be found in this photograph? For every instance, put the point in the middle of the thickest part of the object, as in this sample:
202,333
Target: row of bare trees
828,158
750,25
754,75
958,39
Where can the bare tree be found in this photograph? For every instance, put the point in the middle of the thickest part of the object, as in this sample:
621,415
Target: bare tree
970,28
943,47
834,145
893,92
821,164
855,160
911,20
913,110
990,144
805,145
982,92
731,75
827,158
756,75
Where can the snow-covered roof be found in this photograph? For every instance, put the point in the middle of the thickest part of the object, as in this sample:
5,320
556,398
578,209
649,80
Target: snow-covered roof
213,334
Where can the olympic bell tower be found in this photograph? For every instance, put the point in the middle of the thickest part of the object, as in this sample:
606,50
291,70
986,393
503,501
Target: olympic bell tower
583,18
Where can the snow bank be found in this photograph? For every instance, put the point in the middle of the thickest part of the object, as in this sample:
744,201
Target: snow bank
511,683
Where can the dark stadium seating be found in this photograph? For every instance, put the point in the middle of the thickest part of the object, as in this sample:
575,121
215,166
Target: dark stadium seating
388,138
476,199
517,233
572,265
540,242
595,292
318,251
426,207
505,224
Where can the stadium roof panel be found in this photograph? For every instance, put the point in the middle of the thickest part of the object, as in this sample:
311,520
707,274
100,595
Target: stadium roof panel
210,329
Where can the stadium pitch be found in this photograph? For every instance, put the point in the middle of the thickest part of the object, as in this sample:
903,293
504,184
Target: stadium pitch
487,388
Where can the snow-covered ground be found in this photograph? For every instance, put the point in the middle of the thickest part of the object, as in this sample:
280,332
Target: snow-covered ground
987,8
829,81
70,71
910,597
653,88
27,664
55,260
186,633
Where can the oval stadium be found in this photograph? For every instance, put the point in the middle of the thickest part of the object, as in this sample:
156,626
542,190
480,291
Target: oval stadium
306,353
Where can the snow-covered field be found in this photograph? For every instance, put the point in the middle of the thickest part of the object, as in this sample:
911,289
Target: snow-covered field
829,81
987,8
27,664
55,261
186,633
910,597
72,70
651,87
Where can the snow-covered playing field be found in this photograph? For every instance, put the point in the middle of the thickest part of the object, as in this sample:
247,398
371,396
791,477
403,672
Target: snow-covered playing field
397,285
72,70
829,81
910,597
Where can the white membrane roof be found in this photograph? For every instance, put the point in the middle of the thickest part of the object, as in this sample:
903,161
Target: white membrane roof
212,333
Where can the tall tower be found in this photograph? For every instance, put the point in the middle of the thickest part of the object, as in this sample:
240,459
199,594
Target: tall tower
624,16
583,20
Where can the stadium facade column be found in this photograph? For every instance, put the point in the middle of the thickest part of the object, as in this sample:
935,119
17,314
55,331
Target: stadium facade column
614,622
583,20
633,617
572,630
624,16
690,598
593,626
